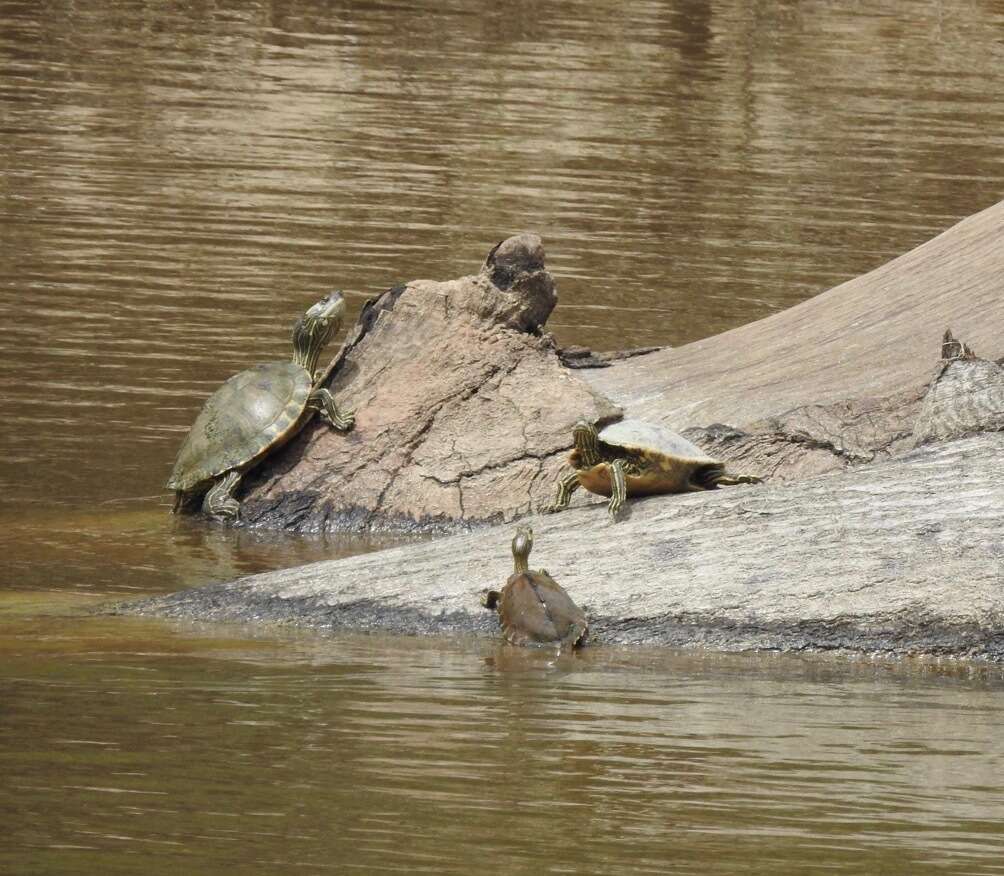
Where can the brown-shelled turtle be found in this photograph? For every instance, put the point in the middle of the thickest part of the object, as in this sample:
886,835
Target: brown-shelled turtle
635,458
254,413
533,608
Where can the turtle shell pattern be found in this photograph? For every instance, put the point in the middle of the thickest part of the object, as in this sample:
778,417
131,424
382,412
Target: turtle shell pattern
250,414
534,609
667,462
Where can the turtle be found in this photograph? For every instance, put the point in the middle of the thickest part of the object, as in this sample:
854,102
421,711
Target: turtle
254,413
533,608
636,458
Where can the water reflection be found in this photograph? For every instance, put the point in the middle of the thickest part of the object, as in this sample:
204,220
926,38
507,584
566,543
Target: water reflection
140,550
376,754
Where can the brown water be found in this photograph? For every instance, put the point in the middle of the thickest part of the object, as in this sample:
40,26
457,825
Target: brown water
177,182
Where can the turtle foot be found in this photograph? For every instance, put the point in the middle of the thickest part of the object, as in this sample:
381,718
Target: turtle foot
490,598
219,502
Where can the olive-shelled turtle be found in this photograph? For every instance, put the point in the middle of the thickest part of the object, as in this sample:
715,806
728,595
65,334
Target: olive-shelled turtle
533,608
255,412
635,458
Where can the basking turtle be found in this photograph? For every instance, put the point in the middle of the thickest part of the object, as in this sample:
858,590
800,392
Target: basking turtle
255,412
635,458
533,608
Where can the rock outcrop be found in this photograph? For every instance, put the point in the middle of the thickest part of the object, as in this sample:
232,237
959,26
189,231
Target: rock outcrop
463,409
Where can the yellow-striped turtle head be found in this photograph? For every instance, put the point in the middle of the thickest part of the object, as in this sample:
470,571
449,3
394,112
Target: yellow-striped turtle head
587,448
315,328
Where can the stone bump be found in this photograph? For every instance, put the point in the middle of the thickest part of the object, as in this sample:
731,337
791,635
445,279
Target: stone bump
526,292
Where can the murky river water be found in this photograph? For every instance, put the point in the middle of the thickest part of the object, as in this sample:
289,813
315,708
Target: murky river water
178,180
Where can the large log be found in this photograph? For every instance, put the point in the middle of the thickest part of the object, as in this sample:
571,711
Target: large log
902,551
464,408
837,380
898,557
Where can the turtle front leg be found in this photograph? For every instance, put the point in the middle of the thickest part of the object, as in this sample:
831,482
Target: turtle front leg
219,502
323,401
618,487
567,484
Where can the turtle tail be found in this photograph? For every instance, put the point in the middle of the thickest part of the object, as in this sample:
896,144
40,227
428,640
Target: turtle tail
707,478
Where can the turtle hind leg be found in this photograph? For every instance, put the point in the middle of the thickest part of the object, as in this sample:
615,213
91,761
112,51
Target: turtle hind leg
219,503
574,637
728,480
567,484
712,476
618,488
323,401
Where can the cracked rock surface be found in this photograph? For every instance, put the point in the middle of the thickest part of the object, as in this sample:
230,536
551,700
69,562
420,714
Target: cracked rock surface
463,409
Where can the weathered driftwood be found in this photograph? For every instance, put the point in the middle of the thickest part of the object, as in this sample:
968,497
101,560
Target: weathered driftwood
834,381
463,409
895,557
901,552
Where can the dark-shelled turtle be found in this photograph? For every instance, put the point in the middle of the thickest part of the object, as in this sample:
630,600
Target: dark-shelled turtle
635,458
254,413
533,608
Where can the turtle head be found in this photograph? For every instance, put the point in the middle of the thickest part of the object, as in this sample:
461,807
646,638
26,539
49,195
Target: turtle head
586,444
522,544
315,328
